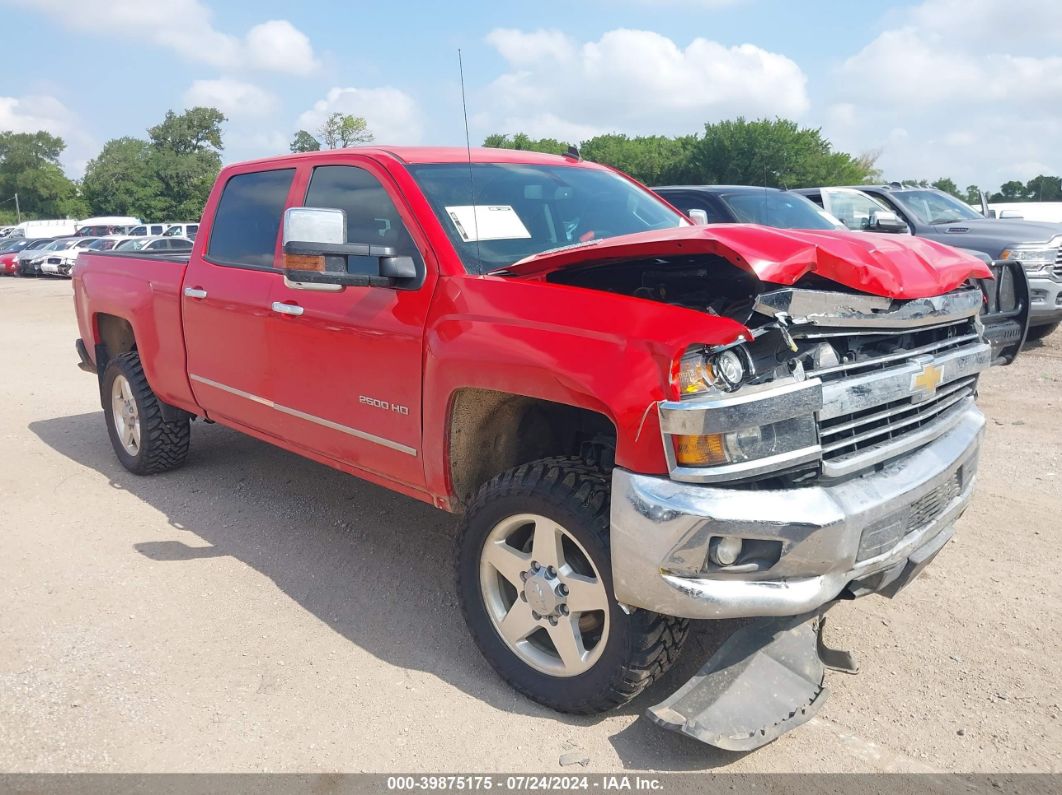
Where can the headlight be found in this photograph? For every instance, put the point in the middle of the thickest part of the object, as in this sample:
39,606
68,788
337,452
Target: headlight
701,371
1034,256
748,444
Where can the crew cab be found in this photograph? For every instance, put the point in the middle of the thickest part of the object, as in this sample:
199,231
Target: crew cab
641,421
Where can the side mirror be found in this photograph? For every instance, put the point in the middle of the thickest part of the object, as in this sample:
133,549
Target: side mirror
884,221
1012,215
317,255
699,217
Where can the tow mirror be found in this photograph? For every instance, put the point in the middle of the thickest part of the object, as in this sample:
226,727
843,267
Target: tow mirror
885,221
317,255
699,217
1012,215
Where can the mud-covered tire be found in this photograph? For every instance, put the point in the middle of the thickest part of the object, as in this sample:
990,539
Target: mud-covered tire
638,648
162,445
1039,332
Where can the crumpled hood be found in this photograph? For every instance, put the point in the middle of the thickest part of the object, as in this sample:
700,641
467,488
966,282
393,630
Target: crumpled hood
894,266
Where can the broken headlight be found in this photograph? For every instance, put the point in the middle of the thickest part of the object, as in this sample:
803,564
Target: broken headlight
700,371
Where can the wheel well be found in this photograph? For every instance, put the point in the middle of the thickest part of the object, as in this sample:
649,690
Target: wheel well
116,337
491,432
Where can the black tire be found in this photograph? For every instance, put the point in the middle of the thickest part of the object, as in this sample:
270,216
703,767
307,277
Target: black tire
639,647
163,445
1039,332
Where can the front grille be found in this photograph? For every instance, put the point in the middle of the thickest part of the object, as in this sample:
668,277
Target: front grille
849,434
1057,269
884,535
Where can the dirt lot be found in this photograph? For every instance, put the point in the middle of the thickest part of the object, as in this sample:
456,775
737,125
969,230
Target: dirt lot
255,611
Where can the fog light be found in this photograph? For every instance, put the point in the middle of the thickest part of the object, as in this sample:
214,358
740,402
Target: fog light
725,550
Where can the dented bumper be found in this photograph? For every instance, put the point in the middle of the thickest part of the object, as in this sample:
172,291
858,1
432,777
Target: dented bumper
804,547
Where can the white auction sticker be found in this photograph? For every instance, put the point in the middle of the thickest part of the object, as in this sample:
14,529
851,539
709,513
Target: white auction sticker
487,222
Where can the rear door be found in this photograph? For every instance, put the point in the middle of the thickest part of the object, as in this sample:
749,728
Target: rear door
349,364
226,301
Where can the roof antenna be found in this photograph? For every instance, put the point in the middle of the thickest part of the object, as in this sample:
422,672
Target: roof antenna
766,212
468,149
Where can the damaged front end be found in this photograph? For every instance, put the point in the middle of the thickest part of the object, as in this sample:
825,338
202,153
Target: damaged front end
823,454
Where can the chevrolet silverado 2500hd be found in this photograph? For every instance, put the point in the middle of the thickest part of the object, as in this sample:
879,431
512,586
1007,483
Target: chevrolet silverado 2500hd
642,421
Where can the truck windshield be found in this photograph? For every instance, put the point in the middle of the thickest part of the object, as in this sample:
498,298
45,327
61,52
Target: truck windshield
934,207
521,210
782,210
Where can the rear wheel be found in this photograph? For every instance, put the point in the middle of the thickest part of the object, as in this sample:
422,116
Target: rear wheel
143,441
1039,332
535,584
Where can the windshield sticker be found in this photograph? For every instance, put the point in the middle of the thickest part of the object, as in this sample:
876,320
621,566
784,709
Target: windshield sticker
487,222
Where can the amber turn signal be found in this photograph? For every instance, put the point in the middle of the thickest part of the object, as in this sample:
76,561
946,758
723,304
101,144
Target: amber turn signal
303,262
699,451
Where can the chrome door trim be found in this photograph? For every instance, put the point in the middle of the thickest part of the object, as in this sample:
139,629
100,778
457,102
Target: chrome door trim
302,415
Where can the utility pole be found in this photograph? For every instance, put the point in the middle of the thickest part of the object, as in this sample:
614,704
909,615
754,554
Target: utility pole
18,212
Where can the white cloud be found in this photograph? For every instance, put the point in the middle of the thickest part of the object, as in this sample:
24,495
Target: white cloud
973,84
392,115
186,27
234,98
633,81
42,112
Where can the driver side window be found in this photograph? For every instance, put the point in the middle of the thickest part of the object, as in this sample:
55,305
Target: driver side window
851,208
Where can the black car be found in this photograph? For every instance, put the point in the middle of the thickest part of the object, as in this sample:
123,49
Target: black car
744,204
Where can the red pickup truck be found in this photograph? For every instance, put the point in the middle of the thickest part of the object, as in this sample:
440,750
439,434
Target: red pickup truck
642,421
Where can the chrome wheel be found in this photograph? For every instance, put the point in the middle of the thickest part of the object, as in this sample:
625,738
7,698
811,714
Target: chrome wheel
126,415
544,595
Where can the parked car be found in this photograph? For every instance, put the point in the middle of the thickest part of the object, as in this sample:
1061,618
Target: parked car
104,243
1006,308
744,204
147,230
24,258
101,225
158,244
643,421
936,215
9,249
188,230
59,260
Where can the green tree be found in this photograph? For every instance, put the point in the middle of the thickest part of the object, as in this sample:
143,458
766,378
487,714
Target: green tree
776,153
1043,188
121,180
523,141
185,158
653,160
29,166
304,142
947,184
1011,191
972,195
341,130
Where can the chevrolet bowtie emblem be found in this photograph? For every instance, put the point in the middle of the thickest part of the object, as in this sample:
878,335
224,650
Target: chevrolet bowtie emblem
927,381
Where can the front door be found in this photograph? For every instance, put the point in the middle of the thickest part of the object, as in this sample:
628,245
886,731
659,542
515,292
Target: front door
349,364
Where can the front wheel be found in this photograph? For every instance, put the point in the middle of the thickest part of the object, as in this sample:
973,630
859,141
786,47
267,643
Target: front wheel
535,585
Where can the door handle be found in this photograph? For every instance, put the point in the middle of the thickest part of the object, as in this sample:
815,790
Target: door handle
195,292
287,309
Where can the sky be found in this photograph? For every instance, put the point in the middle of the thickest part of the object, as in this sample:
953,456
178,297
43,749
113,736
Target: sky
967,89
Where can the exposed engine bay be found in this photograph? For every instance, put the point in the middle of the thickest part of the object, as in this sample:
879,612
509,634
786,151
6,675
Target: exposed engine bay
785,341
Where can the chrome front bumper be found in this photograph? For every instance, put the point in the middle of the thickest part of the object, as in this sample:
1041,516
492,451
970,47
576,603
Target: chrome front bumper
1045,298
661,531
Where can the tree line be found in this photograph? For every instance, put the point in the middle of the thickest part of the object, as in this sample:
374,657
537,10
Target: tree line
168,174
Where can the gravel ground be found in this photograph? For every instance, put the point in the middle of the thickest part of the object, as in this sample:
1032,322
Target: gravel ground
258,612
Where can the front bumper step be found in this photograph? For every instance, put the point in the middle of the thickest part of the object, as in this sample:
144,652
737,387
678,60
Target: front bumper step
765,680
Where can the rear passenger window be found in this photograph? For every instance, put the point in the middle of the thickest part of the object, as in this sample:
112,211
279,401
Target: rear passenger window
248,219
371,215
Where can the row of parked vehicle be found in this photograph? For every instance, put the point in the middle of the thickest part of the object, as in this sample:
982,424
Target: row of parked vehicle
896,209
55,256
